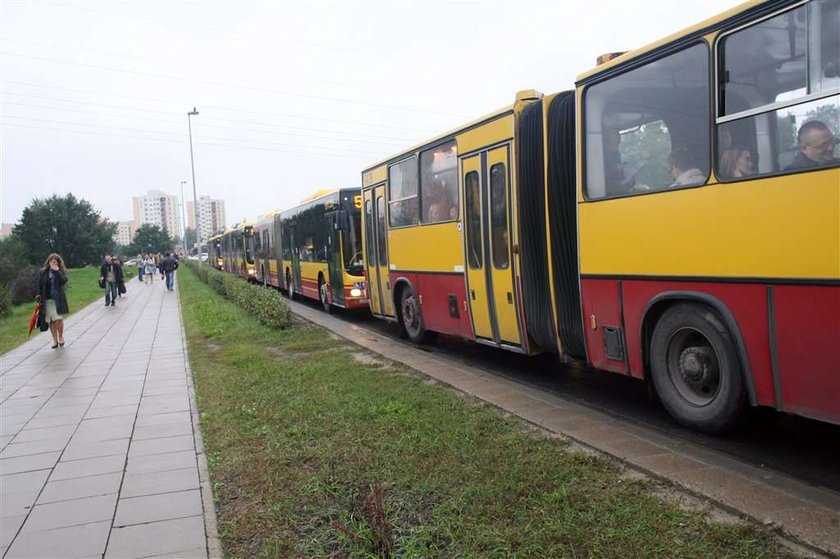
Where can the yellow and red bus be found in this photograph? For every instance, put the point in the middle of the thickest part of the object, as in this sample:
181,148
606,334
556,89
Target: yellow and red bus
265,240
238,251
214,251
320,249
675,218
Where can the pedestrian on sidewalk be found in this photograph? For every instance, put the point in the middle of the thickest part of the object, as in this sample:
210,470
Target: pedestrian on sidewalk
111,274
52,280
169,265
149,265
121,281
141,264
159,263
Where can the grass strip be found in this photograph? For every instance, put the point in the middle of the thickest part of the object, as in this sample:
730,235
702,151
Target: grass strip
82,289
314,453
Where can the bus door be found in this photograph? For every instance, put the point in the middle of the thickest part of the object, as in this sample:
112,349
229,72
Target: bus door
336,221
378,277
295,257
489,270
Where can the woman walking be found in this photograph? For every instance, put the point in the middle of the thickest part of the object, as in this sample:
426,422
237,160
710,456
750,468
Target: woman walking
150,268
51,283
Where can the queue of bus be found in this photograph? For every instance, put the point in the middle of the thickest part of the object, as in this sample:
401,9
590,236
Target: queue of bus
617,224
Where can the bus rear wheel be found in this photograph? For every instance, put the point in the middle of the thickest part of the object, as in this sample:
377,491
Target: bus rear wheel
323,296
411,318
695,369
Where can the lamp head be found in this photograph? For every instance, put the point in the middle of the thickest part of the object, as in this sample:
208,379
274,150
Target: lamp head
193,112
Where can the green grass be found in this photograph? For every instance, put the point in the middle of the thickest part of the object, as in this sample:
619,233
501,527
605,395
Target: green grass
82,289
313,454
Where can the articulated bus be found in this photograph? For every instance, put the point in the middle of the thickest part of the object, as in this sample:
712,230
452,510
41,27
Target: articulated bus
238,250
320,249
265,261
214,251
674,218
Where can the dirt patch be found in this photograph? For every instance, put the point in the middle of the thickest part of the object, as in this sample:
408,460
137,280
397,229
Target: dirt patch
213,347
366,358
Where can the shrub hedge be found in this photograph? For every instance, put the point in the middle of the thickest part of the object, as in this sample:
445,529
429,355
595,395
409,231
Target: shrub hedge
263,303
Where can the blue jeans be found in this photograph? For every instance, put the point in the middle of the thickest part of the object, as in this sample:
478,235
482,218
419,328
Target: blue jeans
170,279
110,292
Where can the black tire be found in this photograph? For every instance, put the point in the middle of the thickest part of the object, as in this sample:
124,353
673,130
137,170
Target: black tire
290,288
411,318
322,295
695,369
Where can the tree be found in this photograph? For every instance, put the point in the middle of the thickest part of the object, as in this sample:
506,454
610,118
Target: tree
189,233
66,225
150,238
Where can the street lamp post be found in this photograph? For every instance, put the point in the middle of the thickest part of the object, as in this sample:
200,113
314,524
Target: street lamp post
194,112
184,218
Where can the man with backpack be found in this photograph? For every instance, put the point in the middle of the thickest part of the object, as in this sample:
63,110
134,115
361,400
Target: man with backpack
168,266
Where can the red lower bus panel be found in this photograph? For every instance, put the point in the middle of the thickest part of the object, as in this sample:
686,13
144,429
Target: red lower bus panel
601,300
435,290
808,349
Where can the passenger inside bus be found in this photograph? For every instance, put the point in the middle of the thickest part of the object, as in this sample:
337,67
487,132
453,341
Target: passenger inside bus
684,169
816,147
736,162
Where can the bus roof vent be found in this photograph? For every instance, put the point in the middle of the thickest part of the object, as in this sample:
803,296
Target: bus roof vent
528,95
604,58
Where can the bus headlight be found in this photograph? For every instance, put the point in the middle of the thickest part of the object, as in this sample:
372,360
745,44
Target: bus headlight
355,292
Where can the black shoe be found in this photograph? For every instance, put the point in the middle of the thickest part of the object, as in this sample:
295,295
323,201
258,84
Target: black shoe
55,346
113,304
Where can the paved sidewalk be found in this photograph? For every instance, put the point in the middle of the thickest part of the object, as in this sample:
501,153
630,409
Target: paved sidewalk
101,451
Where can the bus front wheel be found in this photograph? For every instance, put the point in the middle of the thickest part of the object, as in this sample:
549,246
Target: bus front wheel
323,296
411,318
290,289
695,369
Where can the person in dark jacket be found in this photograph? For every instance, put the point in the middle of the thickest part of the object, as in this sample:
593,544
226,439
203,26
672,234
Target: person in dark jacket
169,264
816,147
111,275
52,280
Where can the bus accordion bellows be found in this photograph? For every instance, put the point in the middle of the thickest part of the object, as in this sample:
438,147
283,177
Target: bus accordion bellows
675,218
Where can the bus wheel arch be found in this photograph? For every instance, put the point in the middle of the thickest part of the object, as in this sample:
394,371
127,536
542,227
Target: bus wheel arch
696,361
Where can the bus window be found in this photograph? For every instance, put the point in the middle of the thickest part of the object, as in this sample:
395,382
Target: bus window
498,216
635,120
439,184
402,193
380,230
776,76
472,200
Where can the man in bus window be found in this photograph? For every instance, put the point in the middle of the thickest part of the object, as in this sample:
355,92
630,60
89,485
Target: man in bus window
684,169
816,147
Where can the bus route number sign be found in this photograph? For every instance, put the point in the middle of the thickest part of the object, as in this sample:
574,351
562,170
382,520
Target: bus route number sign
357,201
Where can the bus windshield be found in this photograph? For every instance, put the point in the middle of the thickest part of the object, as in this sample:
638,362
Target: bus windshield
353,261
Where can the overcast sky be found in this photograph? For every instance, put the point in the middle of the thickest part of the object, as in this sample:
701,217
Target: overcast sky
293,96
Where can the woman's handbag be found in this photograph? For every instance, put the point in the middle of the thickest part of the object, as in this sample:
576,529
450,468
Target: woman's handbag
101,283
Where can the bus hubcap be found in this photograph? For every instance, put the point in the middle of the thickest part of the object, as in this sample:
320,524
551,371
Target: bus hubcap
694,367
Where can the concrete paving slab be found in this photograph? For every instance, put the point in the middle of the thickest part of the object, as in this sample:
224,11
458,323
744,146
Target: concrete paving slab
152,483
155,508
85,402
81,487
160,462
70,469
76,541
50,516
157,538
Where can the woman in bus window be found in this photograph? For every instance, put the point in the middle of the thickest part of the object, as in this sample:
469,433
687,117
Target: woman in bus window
736,162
